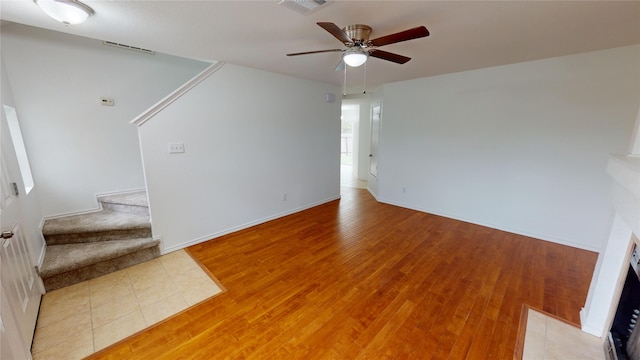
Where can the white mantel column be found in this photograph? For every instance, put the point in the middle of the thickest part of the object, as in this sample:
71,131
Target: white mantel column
606,285
613,261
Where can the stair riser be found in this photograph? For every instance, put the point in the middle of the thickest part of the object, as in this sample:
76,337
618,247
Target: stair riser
97,236
102,268
129,209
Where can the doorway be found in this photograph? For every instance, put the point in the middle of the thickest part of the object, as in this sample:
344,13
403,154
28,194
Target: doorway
349,141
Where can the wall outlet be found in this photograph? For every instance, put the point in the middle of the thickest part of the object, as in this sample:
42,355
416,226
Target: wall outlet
404,189
176,148
284,196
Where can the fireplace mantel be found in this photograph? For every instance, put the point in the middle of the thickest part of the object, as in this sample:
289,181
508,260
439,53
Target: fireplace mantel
625,170
602,300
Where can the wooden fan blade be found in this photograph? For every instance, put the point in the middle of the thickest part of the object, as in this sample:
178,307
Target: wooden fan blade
414,33
334,30
314,52
385,55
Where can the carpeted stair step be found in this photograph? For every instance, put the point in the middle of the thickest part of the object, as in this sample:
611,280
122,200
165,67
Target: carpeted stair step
133,202
68,264
96,226
85,246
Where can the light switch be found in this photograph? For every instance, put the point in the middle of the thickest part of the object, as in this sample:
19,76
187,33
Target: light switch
176,148
105,101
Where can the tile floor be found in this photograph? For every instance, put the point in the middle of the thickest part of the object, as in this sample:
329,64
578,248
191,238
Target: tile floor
547,338
348,180
81,319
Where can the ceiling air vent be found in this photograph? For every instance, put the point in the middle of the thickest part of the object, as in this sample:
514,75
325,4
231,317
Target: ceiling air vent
304,7
128,47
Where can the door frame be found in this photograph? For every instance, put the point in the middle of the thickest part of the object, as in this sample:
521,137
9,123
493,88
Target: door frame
376,118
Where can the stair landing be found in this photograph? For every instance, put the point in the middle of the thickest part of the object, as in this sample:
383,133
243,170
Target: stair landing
133,202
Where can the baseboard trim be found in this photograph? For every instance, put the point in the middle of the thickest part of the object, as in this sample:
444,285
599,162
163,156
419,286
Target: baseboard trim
81,212
120,192
242,227
589,328
375,196
501,228
43,252
91,210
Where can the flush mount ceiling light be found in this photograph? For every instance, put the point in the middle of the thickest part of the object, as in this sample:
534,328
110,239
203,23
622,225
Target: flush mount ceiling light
68,12
355,56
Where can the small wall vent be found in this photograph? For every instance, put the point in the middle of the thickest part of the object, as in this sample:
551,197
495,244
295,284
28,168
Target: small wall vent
128,47
304,6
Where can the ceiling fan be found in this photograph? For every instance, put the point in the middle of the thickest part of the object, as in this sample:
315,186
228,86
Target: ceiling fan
358,46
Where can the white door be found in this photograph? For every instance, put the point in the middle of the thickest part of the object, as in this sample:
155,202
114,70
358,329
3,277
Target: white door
12,346
19,282
375,135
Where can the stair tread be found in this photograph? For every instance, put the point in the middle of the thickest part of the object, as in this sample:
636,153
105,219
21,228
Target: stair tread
137,198
95,222
67,257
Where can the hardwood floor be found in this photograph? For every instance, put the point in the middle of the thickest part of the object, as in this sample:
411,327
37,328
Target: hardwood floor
356,279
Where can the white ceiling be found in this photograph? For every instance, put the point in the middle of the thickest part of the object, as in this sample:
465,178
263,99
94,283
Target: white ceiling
465,35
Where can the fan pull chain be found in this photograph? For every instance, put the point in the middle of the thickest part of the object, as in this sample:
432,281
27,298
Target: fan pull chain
364,81
344,82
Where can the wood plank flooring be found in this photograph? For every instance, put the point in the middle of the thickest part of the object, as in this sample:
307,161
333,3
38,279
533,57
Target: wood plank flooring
356,279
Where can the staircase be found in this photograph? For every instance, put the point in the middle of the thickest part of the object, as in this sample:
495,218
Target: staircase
85,246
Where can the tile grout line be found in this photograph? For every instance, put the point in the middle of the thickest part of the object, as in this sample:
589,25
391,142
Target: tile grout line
546,334
172,276
135,293
93,334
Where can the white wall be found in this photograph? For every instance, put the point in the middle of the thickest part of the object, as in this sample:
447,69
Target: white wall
250,136
29,212
521,147
77,147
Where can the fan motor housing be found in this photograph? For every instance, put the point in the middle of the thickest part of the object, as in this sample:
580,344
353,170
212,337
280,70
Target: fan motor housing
359,33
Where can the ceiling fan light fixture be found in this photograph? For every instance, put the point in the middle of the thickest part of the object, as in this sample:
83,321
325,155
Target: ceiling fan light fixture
68,12
355,57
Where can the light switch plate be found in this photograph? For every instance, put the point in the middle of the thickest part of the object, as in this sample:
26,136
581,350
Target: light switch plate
176,148
105,101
